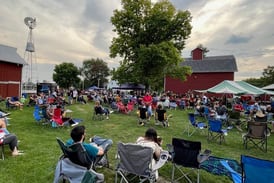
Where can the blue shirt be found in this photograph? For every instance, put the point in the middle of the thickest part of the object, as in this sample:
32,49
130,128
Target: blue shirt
91,150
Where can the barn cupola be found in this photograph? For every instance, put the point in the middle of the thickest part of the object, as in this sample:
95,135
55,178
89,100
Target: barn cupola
197,54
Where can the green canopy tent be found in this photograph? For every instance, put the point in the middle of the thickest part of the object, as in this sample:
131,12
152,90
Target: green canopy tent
250,89
269,87
238,88
226,87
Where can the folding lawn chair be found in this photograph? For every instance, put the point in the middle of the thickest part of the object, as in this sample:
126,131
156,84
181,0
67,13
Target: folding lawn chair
257,170
215,131
256,135
130,106
2,145
234,117
194,125
122,107
186,154
135,163
98,114
56,120
75,165
40,115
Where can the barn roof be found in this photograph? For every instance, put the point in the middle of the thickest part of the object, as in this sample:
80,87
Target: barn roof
212,64
9,54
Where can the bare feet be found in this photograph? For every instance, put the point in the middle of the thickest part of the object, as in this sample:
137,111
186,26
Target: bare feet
18,153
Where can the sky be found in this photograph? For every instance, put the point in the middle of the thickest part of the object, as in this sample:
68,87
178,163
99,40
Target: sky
78,30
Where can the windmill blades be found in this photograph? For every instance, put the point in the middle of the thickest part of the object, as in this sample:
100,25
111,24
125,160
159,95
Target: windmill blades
30,22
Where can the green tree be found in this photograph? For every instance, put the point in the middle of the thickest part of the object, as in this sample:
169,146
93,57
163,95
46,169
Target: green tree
266,79
66,75
95,72
268,75
255,81
150,38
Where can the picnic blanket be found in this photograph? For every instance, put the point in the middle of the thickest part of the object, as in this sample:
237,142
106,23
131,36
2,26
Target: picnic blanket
223,166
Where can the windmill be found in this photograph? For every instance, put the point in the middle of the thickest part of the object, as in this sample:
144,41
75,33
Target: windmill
29,55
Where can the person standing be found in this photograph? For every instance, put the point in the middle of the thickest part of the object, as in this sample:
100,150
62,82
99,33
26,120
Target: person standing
147,101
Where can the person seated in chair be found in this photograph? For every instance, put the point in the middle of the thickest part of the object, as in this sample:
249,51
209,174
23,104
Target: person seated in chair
9,138
3,116
222,113
99,109
161,116
14,102
142,114
151,139
260,116
32,100
96,149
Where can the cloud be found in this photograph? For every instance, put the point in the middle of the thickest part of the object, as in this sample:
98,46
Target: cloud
234,39
73,31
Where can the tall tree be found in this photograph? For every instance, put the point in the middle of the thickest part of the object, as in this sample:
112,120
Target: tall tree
150,40
66,75
95,72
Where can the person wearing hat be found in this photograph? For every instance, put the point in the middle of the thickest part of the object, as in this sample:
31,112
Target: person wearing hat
260,116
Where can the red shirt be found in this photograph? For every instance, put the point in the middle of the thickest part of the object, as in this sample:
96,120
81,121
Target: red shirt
147,99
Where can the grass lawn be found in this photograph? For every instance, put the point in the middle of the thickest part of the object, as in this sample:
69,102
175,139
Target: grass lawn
42,151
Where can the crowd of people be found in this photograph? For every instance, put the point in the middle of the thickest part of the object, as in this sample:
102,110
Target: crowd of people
154,104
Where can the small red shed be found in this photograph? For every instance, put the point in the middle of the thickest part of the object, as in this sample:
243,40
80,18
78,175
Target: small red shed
206,72
11,65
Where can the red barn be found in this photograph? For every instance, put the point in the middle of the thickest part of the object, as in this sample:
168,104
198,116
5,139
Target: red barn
11,65
206,72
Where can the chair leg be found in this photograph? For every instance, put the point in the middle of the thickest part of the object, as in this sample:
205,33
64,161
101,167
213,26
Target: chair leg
2,153
172,174
198,176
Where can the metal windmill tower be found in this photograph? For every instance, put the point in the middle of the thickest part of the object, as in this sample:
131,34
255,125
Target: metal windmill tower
29,55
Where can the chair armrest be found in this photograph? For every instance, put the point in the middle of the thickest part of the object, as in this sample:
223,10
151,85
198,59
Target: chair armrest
164,156
170,148
203,156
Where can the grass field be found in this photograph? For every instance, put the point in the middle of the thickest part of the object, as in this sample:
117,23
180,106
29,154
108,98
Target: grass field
42,151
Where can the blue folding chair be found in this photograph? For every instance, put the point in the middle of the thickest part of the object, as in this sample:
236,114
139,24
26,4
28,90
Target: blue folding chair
194,125
257,170
40,115
215,131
